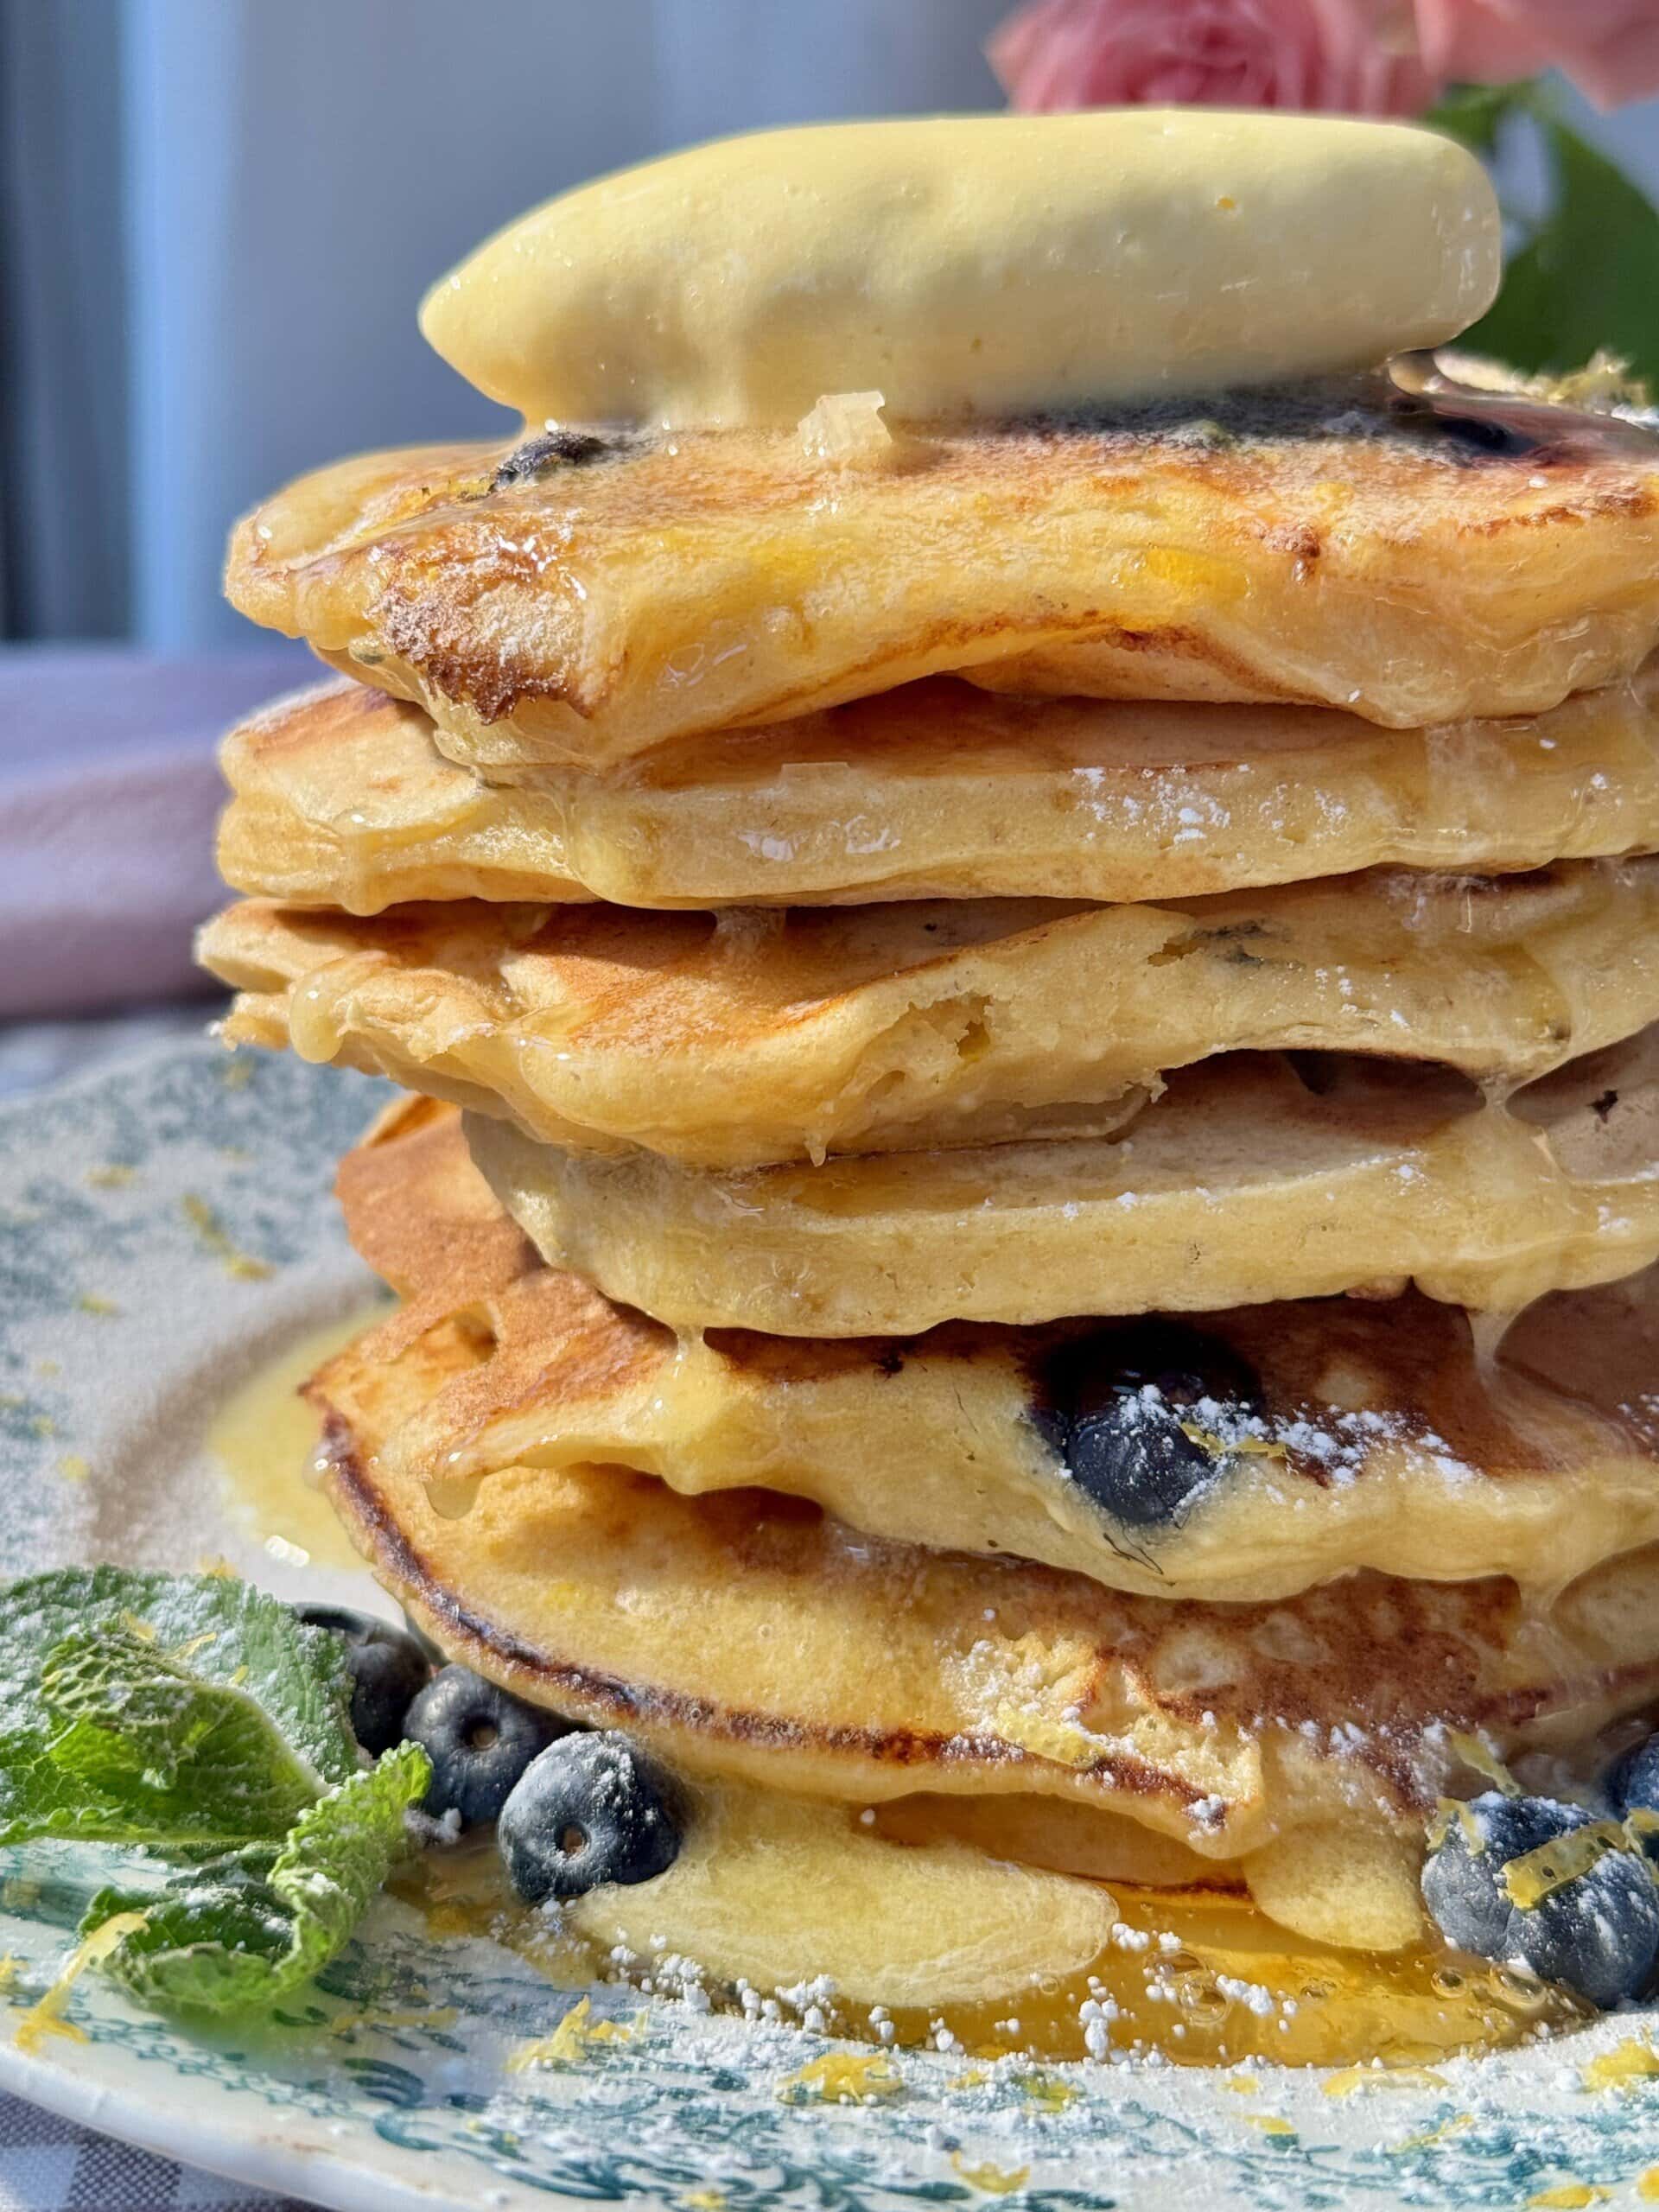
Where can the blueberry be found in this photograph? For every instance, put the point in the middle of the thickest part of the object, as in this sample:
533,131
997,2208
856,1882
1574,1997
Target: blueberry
592,1809
479,1740
1596,1931
388,1667
1112,1405
1633,1781
552,449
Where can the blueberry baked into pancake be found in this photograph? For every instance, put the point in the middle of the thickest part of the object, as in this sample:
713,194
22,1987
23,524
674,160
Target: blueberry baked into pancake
1036,1413
1154,1455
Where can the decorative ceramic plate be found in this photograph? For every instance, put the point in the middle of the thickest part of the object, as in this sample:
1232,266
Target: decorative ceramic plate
166,1231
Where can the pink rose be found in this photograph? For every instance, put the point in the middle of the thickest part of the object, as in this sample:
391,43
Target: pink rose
1348,57
1610,48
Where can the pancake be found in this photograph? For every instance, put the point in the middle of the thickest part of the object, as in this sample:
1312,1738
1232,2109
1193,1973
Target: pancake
746,1634
1253,1176
1411,555
341,797
1327,1435
738,1039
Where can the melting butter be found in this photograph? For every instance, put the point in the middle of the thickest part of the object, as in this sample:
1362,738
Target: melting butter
966,266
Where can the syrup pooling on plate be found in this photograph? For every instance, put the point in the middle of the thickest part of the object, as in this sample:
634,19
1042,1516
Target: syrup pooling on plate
1200,1979
1211,1981
265,1440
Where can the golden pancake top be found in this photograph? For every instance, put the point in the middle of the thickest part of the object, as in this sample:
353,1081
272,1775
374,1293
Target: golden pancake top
1412,555
1329,1434
745,1633
341,797
1253,1176
740,1039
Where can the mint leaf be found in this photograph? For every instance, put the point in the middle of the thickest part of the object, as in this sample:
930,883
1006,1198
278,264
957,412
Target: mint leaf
1587,277
181,1712
195,1716
133,1721
237,1936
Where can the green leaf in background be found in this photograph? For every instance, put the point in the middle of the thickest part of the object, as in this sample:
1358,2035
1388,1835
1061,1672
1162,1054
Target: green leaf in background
1587,278
237,1936
186,1713
1584,278
1477,113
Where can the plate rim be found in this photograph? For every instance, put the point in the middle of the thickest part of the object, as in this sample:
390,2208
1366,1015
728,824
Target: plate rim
310,2172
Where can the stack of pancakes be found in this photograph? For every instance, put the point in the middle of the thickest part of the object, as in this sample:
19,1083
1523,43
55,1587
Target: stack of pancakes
1000,1019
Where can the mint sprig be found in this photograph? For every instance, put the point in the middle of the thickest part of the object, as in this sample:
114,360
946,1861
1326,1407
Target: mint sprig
135,1728
239,1933
197,1718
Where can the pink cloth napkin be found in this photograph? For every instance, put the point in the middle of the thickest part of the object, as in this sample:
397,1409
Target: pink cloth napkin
108,796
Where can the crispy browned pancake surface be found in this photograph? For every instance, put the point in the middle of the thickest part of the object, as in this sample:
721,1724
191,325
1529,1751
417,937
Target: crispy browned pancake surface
1344,545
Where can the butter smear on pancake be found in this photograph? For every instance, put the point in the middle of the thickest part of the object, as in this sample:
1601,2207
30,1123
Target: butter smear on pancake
975,265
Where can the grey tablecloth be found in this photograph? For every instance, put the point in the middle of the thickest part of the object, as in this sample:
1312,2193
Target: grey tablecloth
49,2166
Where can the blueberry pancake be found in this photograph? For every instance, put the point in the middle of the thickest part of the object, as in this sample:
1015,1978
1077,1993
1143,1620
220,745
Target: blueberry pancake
1247,1454
1409,551
1012,845
1255,1176
341,798
746,1634
737,1040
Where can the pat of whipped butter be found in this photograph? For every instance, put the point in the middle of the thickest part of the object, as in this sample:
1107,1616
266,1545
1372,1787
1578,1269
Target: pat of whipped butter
975,265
